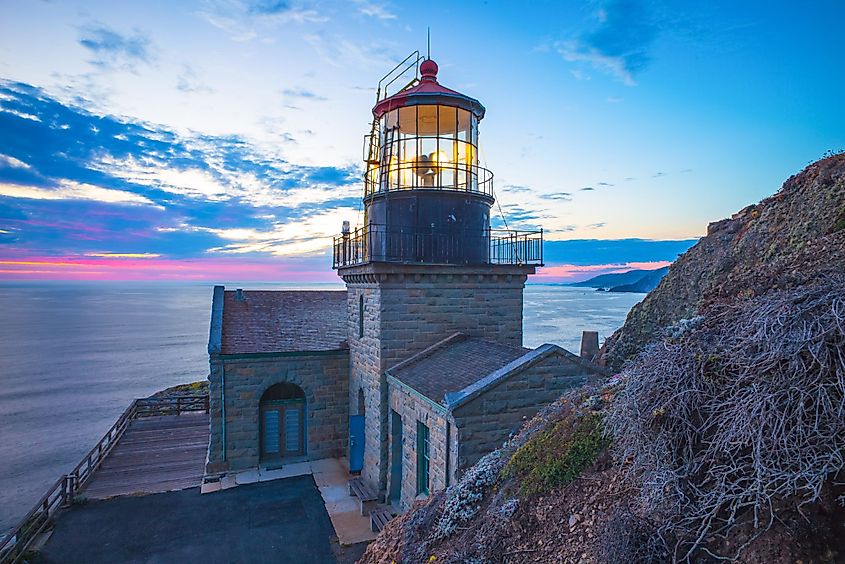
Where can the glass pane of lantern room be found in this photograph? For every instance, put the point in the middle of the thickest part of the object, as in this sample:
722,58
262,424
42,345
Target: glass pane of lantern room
463,125
407,158
447,122
427,120
408,120
390,120
446,161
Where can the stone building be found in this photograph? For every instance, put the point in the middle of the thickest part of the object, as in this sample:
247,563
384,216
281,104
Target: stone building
279,378
417,369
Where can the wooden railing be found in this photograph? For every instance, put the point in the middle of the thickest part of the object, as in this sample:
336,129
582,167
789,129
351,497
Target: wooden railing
62,494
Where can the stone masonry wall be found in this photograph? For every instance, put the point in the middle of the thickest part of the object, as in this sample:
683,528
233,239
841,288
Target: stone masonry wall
324,377
408,309
413,409
484,423
365,374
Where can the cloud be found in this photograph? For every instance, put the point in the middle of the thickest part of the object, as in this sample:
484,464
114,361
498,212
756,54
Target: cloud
188,193
604,184
619,43
557,196
188,81
69,190
587,189
576,273
124,255
596,225
12,162
244,19
658,174
375,10
341,52
516,189
307,235
267,7
302,93
112,50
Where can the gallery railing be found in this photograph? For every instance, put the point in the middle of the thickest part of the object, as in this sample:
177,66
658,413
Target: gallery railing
380,243
427,176
64,492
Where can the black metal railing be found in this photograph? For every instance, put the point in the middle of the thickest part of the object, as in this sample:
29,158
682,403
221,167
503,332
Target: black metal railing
380,243
443,176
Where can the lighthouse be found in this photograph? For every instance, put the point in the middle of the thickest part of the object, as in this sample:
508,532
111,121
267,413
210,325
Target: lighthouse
425,263
418,369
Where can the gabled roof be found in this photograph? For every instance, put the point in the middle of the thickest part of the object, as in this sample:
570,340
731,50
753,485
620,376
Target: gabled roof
460,368
456,399
453,364
272,321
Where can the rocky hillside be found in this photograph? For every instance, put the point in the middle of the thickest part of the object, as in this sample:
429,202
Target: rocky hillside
721,439
646,283
761,245
631,281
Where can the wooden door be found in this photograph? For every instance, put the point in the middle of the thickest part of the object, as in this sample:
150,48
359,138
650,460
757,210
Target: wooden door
282,429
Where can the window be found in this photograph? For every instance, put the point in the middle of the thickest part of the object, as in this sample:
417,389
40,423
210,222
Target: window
361,316
422,458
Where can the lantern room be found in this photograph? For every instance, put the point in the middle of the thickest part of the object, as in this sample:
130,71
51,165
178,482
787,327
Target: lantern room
426,198
426,137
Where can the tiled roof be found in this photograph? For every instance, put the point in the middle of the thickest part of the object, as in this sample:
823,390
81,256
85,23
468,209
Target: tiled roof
453,364
269,321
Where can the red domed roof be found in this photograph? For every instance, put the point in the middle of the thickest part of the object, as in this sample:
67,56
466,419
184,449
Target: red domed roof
428,91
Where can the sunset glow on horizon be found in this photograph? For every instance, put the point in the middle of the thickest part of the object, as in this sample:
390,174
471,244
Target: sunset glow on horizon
221,140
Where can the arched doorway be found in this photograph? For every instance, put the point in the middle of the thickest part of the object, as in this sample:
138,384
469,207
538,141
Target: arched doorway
282,411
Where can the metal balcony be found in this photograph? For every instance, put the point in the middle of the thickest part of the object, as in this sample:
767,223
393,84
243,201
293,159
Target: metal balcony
381,243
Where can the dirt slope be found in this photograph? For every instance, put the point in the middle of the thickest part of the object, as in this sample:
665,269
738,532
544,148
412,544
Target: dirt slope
745,255
723,436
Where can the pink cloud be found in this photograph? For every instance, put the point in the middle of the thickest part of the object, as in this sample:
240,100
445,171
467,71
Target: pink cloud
576,273
21,266
118,268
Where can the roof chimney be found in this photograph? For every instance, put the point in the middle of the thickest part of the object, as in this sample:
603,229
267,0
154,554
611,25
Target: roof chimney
239,295
589,344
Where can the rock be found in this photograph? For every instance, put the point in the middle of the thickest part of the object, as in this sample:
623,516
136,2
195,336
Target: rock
573,519
778,242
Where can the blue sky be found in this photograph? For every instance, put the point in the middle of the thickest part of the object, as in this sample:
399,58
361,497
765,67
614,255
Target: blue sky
213,139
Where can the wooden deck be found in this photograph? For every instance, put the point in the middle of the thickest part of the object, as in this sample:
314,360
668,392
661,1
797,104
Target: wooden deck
156,454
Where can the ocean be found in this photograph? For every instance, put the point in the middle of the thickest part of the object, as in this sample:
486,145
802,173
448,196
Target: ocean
74,355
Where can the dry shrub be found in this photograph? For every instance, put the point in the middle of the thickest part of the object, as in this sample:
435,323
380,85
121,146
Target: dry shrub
736,414
630,538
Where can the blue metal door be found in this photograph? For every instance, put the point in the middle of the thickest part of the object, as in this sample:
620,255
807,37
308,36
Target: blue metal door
356,443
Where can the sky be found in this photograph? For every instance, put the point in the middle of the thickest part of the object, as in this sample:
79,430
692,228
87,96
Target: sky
221,140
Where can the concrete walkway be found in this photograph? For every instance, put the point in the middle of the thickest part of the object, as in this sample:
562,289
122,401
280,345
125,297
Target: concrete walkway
331,476
278,521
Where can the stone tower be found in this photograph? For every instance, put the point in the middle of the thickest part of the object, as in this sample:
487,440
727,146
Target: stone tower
425,264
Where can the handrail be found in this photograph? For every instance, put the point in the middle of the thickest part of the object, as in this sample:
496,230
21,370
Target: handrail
383,87
62,494
406,245
458,177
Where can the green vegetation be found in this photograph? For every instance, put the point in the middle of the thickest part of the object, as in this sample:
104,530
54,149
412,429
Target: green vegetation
839,224
557,456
